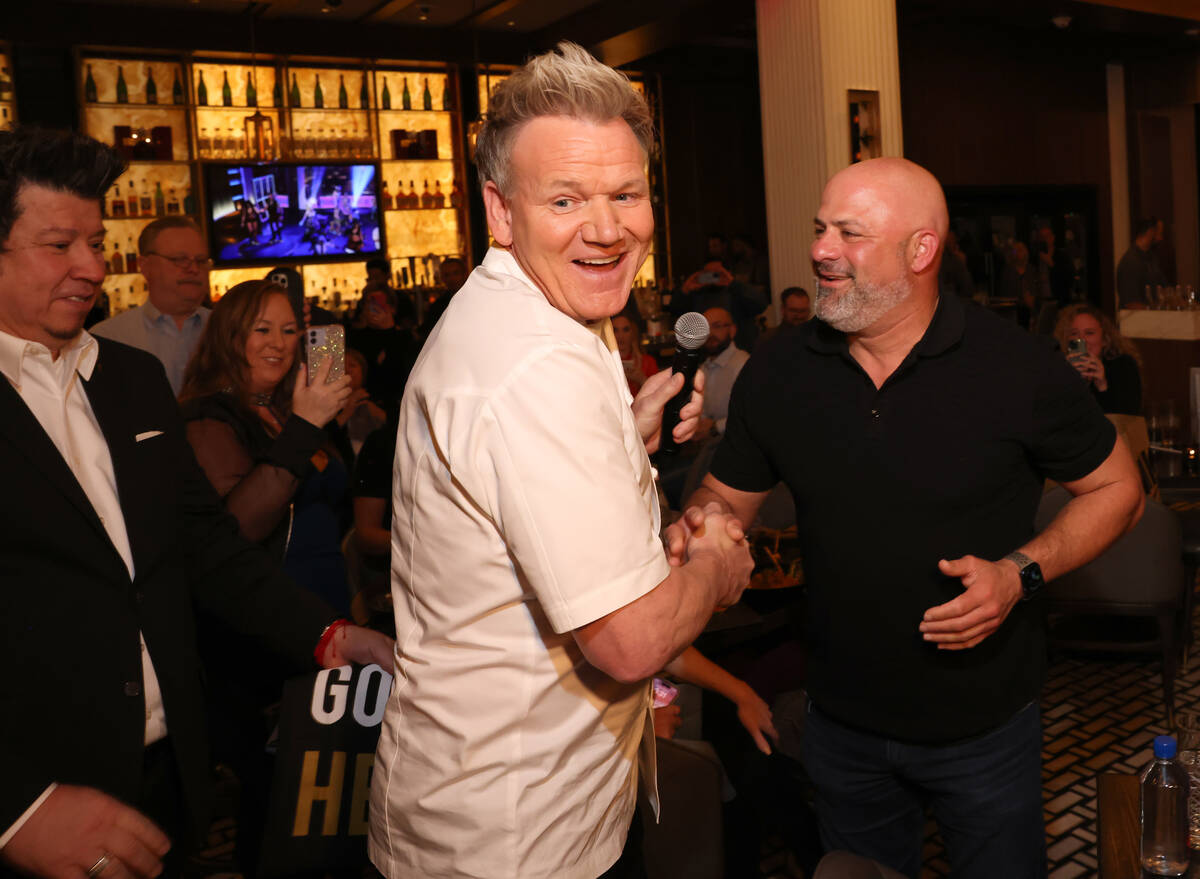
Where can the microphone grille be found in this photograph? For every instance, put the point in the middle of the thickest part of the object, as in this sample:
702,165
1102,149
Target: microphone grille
691,330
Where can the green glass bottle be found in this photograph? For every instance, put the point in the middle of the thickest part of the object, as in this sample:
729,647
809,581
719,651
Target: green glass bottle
364,97
122,89
160,200
343,98
427,96
318,95
202,92
295,95
447,95
226,91
189,203
387,95
89,87
277,92
177,89
151,87
251,91
406,98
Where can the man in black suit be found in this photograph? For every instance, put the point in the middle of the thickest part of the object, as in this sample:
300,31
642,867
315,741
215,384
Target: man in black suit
110,540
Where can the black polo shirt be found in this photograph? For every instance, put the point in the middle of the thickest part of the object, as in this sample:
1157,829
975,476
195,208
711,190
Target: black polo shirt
946,459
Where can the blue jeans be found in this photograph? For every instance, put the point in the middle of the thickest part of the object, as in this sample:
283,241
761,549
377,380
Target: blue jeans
986,795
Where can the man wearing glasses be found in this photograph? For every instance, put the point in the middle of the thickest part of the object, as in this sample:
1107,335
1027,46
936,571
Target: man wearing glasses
174,260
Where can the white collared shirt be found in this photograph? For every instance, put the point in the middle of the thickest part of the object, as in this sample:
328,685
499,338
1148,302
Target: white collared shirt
52,389
524,509
720,373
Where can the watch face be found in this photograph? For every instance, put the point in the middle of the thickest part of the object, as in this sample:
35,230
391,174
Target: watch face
1031,579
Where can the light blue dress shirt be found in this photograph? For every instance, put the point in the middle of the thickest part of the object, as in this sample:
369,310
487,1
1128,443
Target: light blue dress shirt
148,328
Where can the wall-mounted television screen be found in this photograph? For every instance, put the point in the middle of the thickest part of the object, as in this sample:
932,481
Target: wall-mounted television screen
275,213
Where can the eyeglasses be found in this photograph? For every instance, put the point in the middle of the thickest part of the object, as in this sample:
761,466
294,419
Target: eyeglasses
183,262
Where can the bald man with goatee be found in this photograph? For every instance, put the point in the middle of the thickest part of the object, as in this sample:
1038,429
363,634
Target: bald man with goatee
915,434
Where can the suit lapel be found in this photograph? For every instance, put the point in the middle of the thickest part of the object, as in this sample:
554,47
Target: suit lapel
27,435
110,402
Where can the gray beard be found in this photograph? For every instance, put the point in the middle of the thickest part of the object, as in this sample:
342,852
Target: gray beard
860,305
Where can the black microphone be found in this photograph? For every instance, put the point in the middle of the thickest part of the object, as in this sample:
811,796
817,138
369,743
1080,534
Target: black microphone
691,332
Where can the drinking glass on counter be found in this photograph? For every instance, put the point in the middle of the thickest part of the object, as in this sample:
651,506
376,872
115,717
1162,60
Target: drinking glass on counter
1187,725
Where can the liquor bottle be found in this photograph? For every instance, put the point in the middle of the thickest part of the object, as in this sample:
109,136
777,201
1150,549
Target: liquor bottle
146,202
151,88
172,201
251,91
118,204
131,200
385,198
412,200
427,96
204,144
343,98
277,92
295,95
455,195
160,200
426,196
406,98
89,87
1164,808
226,91
318,95
364,96
447,94
117,263
439,197
131,260
189,202
387,95
122,89
202,92
176,89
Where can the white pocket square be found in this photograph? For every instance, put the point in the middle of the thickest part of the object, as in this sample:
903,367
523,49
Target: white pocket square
149,434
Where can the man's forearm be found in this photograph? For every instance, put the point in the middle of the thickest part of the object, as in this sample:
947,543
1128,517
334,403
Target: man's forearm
637,640
1085,527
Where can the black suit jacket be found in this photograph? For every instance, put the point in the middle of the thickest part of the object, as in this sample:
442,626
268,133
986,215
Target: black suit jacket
71,708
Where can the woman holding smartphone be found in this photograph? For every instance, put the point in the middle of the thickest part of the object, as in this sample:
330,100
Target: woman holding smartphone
256,424
1107,360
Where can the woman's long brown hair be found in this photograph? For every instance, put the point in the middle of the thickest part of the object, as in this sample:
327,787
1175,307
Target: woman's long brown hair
219,361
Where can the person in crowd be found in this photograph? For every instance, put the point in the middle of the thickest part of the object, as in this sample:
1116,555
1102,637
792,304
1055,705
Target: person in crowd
1111,364
174,261
361,416
795,308
531,582
116,515
916,477
954,278
1139,267
745,263
714,286
371,490
390,350
452,274
308,314
721,369
379,279
256,424
1022,282
638,365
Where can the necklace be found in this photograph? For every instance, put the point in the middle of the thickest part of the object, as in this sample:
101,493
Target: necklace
260,399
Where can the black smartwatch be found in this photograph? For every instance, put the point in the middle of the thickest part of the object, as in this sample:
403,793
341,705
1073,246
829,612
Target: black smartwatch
1031,574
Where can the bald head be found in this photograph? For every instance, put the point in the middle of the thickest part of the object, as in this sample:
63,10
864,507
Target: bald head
879,236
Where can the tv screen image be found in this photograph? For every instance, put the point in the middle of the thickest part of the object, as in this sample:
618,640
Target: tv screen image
268,213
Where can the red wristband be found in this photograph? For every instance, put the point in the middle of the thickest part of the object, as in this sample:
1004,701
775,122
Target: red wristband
326,637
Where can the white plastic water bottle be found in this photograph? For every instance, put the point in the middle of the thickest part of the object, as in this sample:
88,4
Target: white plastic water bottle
1164,812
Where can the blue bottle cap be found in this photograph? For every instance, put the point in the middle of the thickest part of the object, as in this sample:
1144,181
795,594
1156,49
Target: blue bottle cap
1164,747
